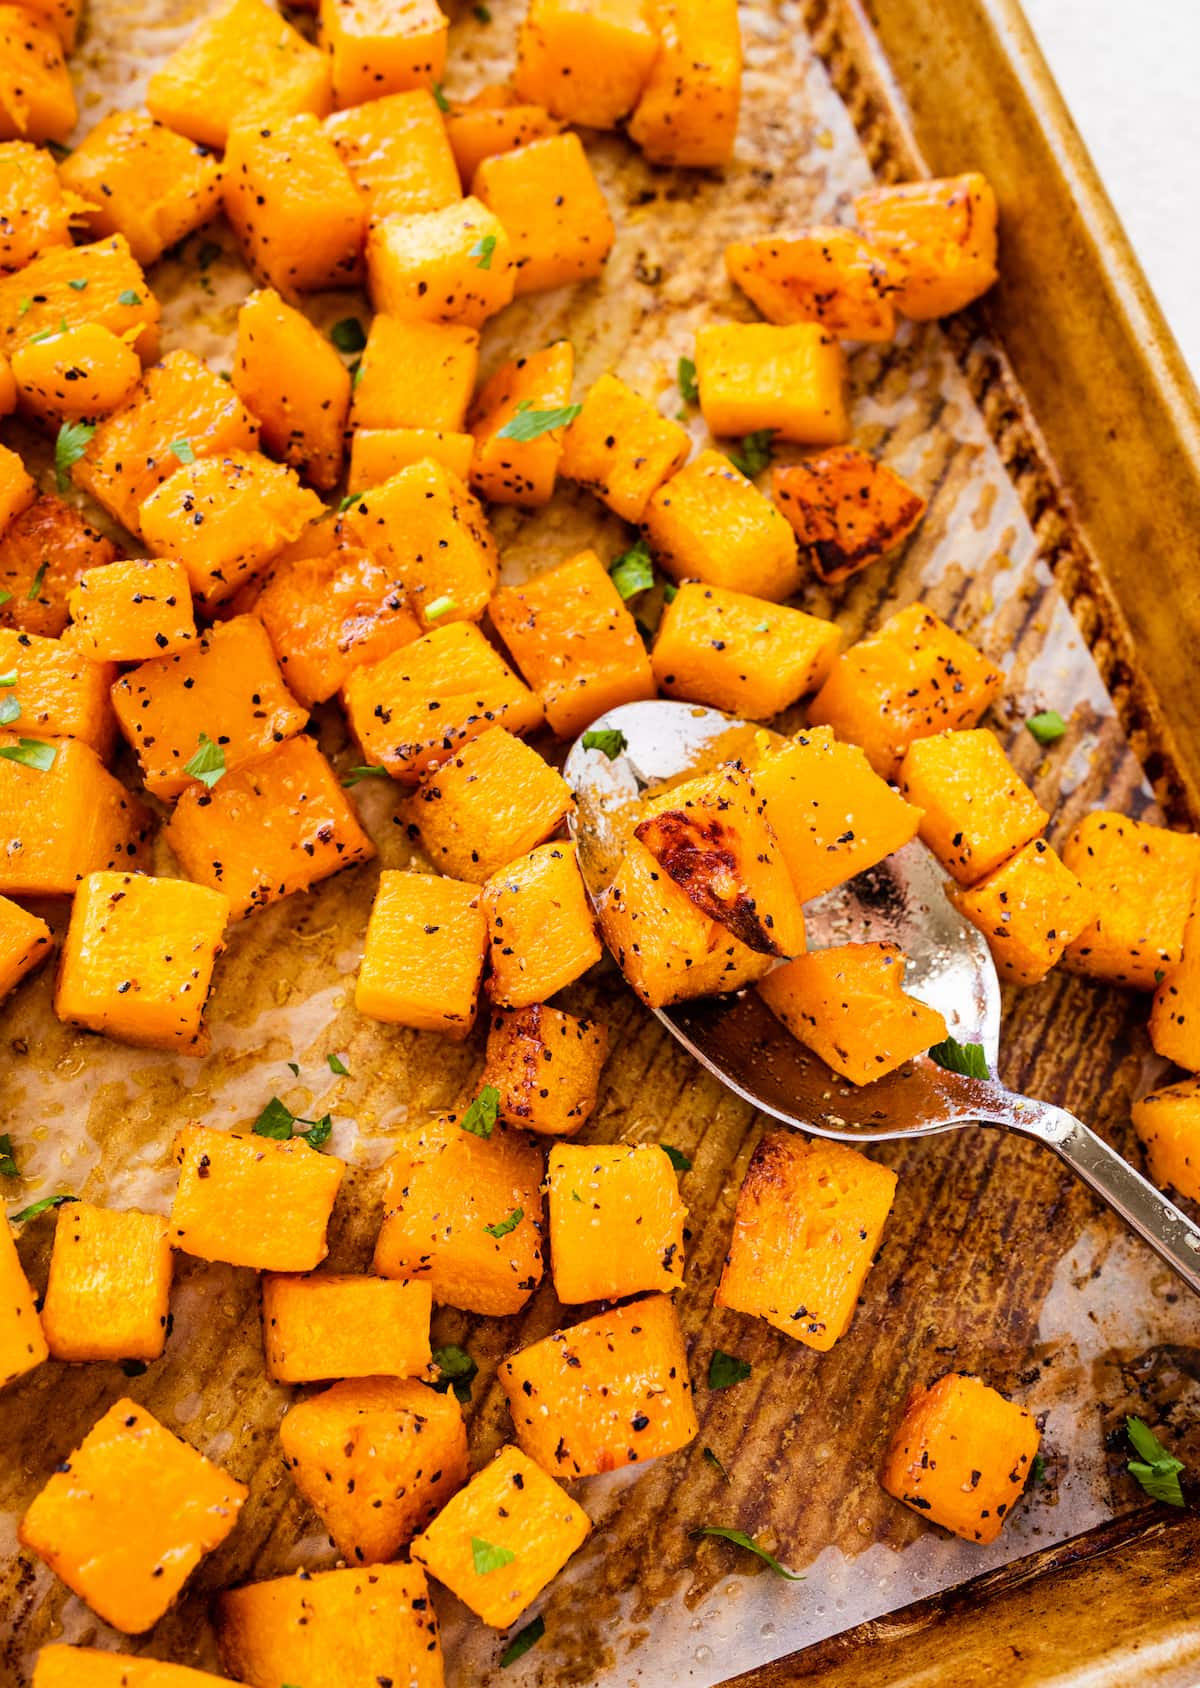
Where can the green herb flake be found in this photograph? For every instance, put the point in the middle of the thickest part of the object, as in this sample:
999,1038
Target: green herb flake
31,753
275,1121
670,592
1037,1471
611,740
575,1196
458,1370
24,306
506,1225
966,1058
338,1066
710,1458
208,254
78,282
69,447
348,335
294,1068
9,679
688,384
364,771
677,1158
754,453
533,1632
761,627
1156,1469
633,571
740,1539
488,1558
480,1118
1159,975
440,607
8,1164
484,16
183,450
482,251
350,498
35,590
1047,727
319,1131
5,595
207,763
129,297
529,424
44,1206
10,710
439,94
724,1370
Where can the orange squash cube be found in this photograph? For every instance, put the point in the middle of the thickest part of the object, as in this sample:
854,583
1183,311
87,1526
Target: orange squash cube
1168,1123
791,381
138,959
616,1221
18,489
847,1004
1143,880
831,813
389,703
550,202
127,1518
382,46
586,61
961,1456
479,128
433,535
463,1212
328,1628
453,265
609,1392
738,653
61,15
847,510
273,827
35,215
242,63
499,1541
809,1218
1175,1011
978,811
825,275
303,415
1029,910
61,1666
142,180
621,448
331,1325
59,825
541,929
415,375
376,454
545,1067
226,686
492,801
509,471
376,1458
912,678
398,151
710,523
37,101
8,393
22,1341
328,615
24,943
688,112
43,552
109,1286
293,204
61,693
938,237
424,954
132,611
254,1201
80,375
44,296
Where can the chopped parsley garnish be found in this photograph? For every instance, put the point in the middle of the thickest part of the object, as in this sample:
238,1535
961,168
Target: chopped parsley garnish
31,753
670,592
294,1068
688,384
9,679
44,1206
457,1369
279,1122
754,454
710,1458
364,771
69,447
506,1225
1047,727
480,1118
633,571
8,1165
1156,1468
78,282
207,764
487,1557
533,1632
338,1066
482,251
49,333
484,16
129,297
529,424
35,590
1037,1471
5,594
724,1370
740,1539
183,450
348,335
24,306
611,740
10,710
439,94
677,1158
350,498
440,607
966,1058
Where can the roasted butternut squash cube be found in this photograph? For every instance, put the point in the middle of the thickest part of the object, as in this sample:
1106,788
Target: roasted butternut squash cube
376,1458
550,202
940,238
826,275
391,703
515,471
328,1628
22,1341
616,1220
831,813
492,801
847,510
77,376
329,615
710,523
18,489
978,811
286,372
35,214
911,679
226,687
1168,1123
586,61
180,403
789,381
606,1393
1143,880
333,1325
62,823
376,454
1175,1011
131,611
424,954
43,552
37,101
431,532
45,295
847,1004
8,391
478,128
463,1212
688,112
738,653
961,1455
128,1517
453,265
61,1666
61,694
24,943
541,930
382,46
398,151
621,448
61,15
499,1541
271,828
109,1286
1030,910
293,204
254,1201
138,959
545,1067
809,1218
415,375
142,180
242,63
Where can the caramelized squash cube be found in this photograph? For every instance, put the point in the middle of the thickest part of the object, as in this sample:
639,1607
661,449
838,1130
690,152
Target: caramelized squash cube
424,954
1175,1011
492,801
830,276
739,653
463,1213
809,1218
978,811
621,448
961,1455
376,454
109,1285
22,1340
382,46
58,826
913,678
142,180
1030,910
545,1067
939,237
710,523
1143,880
36,214
132,611
541,930
847,510
45,295
330,1325
62,1666
551,204
499,1541
18,489
1168,1123
586,61
398,151
44,551
242,63
254,1201
37,101
293,204
376,1458
415,375
286,372
478,129
128,1517
509,471
616,1220
77,376
791,381
688,112
60,692
329,615
453,265
24,943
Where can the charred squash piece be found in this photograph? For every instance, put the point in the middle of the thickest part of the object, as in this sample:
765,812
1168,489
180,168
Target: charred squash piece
940,236
44,551
848,510
826,275
545,1066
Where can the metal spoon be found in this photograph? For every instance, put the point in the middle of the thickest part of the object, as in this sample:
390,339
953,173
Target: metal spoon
739,1040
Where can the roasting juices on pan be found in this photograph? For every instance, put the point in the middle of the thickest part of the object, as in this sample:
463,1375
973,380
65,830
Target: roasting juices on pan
213,555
